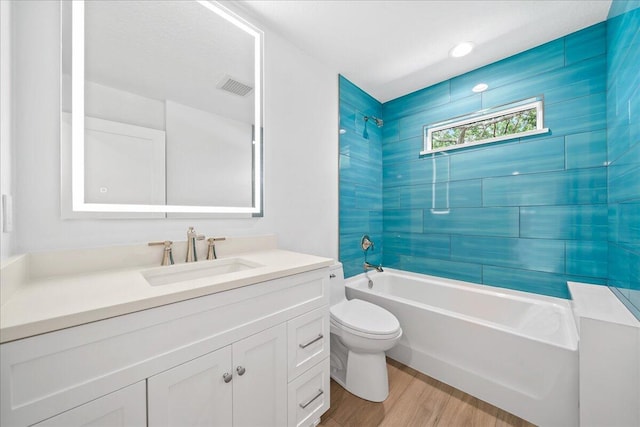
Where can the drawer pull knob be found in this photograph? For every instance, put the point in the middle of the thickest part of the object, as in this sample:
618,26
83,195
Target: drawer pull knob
318,338
240,370
227,377
308,402
332,276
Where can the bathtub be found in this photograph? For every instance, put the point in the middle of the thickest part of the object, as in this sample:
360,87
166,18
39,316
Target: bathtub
515,350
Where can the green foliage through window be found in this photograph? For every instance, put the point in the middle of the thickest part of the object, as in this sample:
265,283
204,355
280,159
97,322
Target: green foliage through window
506,122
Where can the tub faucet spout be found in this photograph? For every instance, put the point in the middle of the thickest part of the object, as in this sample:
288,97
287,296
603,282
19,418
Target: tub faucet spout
368,267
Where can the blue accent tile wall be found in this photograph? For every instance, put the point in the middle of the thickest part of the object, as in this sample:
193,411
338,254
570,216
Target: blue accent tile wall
623,136
512,214
360,177
526,214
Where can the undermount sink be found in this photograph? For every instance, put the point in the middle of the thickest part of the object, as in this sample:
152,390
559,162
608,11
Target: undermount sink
197,270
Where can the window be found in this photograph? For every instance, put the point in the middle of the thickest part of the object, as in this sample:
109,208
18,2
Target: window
518,119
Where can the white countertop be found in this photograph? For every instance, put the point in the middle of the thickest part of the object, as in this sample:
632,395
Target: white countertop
599,303
48,302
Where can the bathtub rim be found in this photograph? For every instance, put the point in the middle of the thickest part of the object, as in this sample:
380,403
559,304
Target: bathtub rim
560,303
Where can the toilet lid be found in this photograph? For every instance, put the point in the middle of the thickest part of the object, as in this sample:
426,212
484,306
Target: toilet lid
365,317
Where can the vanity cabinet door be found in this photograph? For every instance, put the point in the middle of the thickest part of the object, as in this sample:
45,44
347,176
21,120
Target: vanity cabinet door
196,393
260,379
123,408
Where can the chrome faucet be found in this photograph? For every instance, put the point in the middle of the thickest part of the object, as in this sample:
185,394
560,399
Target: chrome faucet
368,267
211,250
167,255
192,236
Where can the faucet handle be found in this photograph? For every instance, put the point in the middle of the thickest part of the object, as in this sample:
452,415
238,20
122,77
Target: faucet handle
211,251
167,255
191,233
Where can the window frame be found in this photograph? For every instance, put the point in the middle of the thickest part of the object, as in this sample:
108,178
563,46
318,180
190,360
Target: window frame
486,114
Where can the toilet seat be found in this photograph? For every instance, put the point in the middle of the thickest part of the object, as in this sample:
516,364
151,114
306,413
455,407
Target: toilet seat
365,319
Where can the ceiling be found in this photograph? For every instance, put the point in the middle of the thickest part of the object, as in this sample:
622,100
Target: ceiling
391,48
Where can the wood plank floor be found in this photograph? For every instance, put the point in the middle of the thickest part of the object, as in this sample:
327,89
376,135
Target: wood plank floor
415,400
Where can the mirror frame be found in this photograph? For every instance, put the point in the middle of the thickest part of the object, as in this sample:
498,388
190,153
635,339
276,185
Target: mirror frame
78,203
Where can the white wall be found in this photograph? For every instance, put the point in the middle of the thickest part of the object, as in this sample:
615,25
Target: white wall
301,152
5,117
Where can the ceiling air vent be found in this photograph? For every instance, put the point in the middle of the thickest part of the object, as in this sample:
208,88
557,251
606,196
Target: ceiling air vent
231,85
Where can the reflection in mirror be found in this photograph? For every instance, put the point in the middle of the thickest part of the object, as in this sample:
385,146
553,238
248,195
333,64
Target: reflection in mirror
161,99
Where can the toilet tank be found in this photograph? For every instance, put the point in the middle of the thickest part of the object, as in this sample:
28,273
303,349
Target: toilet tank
336,284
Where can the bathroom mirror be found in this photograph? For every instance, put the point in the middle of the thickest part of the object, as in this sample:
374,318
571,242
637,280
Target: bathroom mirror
160,105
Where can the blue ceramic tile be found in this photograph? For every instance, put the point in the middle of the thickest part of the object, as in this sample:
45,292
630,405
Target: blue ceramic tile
587,113
351,267
574,222
584,150
620,7
585,44
347,116
425,170
621,33
535,61
441,268
417,244
423,99
551,284
562,84
586,258
624,267
347,195
350,245
353,95
577,186
390,131
354,145
403,220
434,196
401,151
457,194
368,197
624,225
412,126
499,222
407,197
624,177
359,171
536,156
529,254
358,221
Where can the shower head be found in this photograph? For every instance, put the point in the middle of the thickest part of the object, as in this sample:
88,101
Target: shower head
377,121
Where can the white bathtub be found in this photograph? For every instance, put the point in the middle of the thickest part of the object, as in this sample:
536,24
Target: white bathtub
515,350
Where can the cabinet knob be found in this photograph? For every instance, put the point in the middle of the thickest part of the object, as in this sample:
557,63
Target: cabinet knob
240,370
227,377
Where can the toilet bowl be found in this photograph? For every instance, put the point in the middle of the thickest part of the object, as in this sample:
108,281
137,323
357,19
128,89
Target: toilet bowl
360,334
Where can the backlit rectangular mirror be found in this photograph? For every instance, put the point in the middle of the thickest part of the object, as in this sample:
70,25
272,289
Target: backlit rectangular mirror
161,108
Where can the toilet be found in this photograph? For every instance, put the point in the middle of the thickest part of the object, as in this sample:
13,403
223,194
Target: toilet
360,334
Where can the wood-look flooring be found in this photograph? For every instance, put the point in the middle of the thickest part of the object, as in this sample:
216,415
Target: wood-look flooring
415,400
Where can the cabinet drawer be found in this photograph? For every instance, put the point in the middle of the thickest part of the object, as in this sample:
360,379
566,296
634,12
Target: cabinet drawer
309,395
308,340
126,407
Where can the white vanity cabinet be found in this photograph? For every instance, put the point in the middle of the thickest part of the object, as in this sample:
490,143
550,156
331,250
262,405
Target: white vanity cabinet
122,408
166,366
241,385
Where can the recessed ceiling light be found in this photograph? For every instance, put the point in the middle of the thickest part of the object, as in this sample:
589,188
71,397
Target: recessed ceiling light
461,49
480,87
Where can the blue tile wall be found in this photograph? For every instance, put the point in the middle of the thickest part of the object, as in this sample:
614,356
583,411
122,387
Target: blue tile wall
526,214
623,149
360,177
